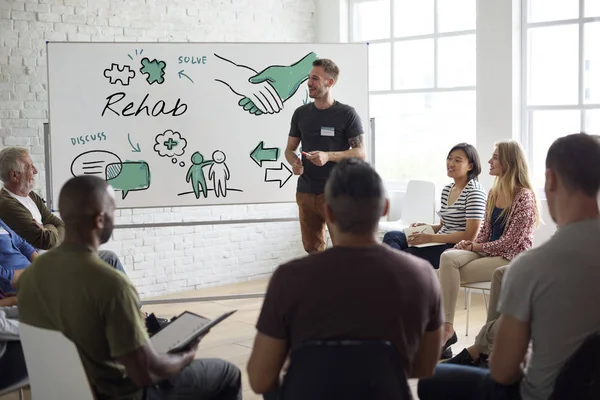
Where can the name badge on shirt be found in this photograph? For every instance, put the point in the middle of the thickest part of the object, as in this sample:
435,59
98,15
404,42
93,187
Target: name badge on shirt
327,131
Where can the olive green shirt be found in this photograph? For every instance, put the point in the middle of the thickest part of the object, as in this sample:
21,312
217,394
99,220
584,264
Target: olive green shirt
71,290
20,220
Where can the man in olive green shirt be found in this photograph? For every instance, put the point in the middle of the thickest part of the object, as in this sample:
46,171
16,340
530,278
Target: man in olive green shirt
71,290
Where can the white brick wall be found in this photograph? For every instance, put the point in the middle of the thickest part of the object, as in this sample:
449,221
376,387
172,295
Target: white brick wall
166,259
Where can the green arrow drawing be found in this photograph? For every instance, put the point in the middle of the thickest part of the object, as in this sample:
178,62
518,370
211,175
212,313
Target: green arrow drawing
136,148
260,154
180,73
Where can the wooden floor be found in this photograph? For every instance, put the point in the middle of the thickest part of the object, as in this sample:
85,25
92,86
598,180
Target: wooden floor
232,339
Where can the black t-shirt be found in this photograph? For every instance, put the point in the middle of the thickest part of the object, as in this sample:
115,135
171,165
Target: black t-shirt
323,130
373,292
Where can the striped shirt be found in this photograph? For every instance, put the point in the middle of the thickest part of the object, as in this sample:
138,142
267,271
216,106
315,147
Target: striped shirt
470,204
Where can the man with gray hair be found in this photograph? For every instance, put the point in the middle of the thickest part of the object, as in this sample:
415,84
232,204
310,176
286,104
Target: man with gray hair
25,212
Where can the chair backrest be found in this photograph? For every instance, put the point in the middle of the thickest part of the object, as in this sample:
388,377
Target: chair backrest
579,377
53,364
346,370
419,203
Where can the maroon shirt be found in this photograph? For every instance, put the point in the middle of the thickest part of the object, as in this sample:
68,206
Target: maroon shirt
371,292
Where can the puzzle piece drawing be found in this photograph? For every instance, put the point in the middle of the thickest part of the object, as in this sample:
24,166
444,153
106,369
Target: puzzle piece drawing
118,73
154,70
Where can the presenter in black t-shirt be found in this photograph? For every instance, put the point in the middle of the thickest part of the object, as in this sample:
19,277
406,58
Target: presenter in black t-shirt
329,132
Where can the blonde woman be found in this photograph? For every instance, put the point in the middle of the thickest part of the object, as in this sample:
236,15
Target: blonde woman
512,216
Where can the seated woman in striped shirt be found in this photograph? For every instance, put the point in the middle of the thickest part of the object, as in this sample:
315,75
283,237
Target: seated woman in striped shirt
511,218
461,212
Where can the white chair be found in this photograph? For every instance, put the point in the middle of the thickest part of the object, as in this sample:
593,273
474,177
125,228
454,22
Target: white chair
54,366
484,287
418,206
22,384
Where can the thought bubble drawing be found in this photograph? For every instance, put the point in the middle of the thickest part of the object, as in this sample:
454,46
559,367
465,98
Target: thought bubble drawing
128,176
169,144
93,162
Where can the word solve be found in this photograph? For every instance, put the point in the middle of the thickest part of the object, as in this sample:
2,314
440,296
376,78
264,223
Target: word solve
192,60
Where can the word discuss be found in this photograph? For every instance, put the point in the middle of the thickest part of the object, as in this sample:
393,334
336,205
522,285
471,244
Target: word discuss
98,137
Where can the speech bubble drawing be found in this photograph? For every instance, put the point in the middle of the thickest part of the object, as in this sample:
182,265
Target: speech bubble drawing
128,176
169,144
93,162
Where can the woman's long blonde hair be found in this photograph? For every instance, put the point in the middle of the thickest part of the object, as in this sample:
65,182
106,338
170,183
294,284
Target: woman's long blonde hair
515,176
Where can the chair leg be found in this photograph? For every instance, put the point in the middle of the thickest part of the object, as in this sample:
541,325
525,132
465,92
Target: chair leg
465,298
468,294
21,394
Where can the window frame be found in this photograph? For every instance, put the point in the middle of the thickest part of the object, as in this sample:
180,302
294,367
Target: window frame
527,110
436,35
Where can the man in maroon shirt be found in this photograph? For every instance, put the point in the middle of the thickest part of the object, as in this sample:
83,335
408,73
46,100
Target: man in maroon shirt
359,289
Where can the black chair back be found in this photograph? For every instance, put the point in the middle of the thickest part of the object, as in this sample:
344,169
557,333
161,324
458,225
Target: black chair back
345,370
579,378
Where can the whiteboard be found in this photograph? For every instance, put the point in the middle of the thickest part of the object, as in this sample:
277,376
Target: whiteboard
186,124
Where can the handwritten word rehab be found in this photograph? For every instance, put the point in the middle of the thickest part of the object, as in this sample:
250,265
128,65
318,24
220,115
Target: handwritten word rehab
129,111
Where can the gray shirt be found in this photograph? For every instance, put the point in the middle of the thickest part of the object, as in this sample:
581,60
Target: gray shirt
324,130
554,288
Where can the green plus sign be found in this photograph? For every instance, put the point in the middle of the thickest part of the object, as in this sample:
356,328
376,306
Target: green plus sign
170,144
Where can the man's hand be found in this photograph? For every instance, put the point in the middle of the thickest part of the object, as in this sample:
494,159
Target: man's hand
16,275
319,158
38,224
297,167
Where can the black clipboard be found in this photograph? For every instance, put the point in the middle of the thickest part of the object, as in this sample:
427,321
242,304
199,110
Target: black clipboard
186,328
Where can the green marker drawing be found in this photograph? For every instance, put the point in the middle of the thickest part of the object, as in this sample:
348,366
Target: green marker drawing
286,79
260,154
180,73
136,148
273,85
154,70
128,176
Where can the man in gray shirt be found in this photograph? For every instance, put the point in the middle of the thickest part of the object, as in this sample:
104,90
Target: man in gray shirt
548,294
329,131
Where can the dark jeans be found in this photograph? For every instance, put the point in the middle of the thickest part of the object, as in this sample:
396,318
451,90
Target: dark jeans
397,240
12,365
203,379
461,382
111,259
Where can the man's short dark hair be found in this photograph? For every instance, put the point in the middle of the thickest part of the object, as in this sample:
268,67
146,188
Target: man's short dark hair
82,195
329,67
355,194
576,160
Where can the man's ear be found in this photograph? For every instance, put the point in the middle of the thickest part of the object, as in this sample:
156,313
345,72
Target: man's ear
99,221
551,183
329,217
386,207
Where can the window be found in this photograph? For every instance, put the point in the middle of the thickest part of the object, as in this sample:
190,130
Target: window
421,82
561,60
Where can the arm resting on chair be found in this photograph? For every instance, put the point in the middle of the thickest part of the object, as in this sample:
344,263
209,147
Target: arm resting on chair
267,359
428,354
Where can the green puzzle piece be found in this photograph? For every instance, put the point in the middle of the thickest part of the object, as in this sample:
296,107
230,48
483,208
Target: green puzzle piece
154,70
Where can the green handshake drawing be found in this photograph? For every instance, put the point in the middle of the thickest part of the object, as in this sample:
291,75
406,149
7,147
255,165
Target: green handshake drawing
265,92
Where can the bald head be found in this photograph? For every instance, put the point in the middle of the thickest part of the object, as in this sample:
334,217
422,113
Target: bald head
85,196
